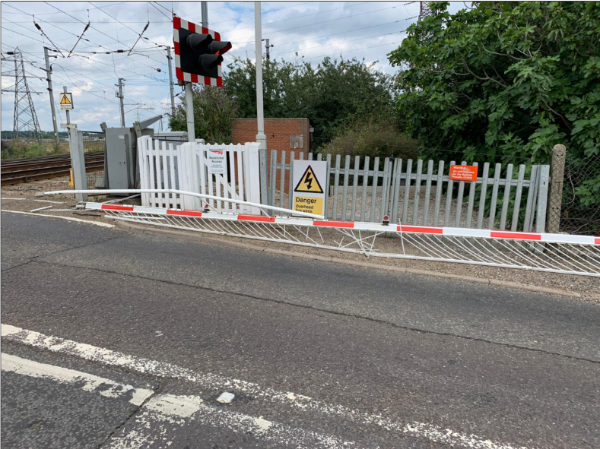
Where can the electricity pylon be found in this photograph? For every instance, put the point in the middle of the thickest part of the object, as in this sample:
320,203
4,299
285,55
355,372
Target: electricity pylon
425,10
25,118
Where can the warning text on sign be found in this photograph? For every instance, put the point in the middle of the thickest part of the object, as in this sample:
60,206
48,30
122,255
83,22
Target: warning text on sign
216,161
308,204
463,173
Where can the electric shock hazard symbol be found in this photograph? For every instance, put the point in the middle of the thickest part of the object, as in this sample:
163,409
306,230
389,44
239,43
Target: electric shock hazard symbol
309,182
66,101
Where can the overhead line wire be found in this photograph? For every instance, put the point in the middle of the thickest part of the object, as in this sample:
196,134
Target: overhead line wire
151,4
21,34
116,40
343,32
350,51
76,10
312,14
131,29
87,40
46,36
325,21
163,8
344,41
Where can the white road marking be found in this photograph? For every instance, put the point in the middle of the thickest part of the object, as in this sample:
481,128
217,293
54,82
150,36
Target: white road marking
97,223
149,425
88,382
48,201
41,208
226,397
215,382
154,425
17,199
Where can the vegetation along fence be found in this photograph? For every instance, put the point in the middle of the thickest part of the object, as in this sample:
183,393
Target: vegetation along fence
421,193
580,208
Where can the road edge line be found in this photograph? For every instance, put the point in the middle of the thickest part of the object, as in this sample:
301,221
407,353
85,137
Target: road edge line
97,223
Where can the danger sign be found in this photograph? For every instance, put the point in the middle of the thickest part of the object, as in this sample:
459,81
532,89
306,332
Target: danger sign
310,184
463,173
66,101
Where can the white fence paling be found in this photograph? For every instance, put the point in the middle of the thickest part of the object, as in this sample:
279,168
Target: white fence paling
184,167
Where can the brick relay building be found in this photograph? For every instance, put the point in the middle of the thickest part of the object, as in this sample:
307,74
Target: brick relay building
283,134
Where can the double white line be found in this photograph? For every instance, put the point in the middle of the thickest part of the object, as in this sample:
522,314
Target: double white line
166,407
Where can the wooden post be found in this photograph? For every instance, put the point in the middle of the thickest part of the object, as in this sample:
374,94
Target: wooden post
559,153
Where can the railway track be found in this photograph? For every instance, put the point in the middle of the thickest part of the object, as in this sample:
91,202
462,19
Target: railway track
17,171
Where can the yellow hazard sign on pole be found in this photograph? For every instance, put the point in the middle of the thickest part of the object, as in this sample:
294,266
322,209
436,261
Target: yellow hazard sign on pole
310,181
66,101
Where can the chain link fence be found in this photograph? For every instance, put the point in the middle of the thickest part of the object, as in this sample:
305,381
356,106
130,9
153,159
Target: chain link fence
93,141
580,208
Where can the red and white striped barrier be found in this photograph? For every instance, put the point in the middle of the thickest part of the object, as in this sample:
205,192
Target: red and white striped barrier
557,253
432,230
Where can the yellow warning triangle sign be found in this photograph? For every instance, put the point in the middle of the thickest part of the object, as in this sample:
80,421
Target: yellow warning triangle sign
65,100
309,182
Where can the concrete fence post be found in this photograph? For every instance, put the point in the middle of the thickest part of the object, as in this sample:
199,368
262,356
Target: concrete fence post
542,210
77,161
559,153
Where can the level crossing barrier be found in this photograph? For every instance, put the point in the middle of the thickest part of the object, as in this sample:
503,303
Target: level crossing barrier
559,253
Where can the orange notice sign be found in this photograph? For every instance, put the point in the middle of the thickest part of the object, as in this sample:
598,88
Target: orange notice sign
463,173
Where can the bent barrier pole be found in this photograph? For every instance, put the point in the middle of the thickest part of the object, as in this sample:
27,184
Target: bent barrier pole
262,207
557,253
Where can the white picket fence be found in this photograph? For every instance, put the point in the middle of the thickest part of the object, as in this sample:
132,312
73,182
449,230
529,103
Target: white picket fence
185,166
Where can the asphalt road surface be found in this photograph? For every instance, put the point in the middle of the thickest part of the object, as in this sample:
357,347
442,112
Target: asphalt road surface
114,340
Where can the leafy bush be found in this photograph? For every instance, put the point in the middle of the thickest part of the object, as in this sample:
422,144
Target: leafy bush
505,82
508,80
214,111
373,139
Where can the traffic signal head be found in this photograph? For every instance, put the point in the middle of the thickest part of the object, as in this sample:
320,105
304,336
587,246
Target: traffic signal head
198,55
198,42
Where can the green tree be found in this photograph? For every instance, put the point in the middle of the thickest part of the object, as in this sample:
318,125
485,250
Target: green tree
506,80
331,94
375,138
214,111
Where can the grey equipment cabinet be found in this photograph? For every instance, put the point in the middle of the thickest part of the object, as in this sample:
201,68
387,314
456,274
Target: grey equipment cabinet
121,169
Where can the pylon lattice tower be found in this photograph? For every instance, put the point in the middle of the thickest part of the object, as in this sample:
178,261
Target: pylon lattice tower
425,10
25,118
